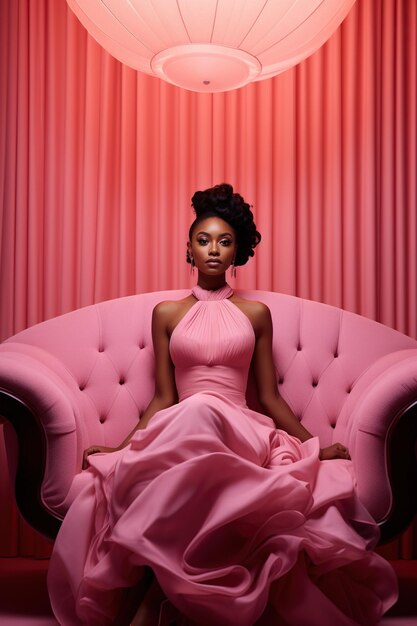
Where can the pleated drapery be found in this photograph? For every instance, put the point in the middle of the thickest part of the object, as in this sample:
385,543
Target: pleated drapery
98,164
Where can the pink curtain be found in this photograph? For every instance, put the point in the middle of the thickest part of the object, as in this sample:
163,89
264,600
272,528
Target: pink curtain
98,164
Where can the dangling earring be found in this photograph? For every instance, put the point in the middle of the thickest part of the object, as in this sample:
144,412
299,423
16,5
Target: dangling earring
192,265
233,269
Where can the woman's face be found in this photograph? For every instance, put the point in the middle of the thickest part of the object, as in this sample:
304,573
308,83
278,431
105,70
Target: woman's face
213,246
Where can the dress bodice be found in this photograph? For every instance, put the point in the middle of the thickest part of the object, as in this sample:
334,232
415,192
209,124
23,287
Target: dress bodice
212,345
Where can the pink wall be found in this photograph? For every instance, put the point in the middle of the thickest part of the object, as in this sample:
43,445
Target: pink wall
98,164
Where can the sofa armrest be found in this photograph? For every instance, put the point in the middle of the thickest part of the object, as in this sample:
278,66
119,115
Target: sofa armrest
39,405
379,425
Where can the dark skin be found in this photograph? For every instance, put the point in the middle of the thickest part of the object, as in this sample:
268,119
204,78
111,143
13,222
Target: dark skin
213,248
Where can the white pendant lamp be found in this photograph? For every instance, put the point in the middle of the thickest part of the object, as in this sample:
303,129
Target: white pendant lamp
211,45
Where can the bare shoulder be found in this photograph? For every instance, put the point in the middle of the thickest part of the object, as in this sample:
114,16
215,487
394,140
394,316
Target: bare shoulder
168,313
258,312
254,306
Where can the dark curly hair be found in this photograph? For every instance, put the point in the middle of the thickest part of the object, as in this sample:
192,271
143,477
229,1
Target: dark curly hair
221,201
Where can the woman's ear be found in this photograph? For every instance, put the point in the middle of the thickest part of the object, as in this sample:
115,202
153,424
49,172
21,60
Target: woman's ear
189,253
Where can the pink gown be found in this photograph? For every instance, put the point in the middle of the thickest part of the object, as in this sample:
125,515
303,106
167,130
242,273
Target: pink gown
227,510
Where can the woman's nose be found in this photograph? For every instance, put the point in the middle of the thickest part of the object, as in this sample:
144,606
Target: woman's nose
214,249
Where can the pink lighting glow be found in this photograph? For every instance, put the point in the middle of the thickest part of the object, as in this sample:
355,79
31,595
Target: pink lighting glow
211,45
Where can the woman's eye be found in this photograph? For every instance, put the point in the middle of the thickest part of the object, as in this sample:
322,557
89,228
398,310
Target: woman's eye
202,241
225,242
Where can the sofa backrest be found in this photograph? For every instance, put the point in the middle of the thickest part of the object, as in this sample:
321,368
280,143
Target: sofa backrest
103,355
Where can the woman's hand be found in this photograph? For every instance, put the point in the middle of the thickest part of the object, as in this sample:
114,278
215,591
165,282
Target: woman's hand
336,451
95,450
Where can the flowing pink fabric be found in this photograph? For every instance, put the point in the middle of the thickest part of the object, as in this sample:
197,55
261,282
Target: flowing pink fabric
220,504
98,164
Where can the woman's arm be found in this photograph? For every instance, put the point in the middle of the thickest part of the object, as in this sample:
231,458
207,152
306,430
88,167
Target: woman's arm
272,403
165,394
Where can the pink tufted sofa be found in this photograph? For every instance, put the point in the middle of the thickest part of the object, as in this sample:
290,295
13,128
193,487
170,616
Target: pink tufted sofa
85,378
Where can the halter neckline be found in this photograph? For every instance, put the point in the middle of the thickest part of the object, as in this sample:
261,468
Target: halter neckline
212,294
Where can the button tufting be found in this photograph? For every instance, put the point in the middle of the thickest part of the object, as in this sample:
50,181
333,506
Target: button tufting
336,355
102,420
122,381
101,349
315,383
299,348
280,381
81,386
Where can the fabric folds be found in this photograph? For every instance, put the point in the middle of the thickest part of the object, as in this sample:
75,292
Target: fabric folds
233,516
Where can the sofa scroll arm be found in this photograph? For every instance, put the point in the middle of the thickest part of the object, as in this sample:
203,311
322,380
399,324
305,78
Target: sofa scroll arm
30,468
402,470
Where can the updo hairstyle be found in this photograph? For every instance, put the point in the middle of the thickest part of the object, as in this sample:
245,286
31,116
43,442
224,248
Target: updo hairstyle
220,201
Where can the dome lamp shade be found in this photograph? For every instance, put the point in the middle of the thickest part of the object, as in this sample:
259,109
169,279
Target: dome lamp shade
211,45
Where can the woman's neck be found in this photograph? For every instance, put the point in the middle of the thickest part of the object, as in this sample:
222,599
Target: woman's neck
211,283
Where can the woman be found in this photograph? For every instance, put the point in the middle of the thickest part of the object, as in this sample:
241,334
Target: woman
233,510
